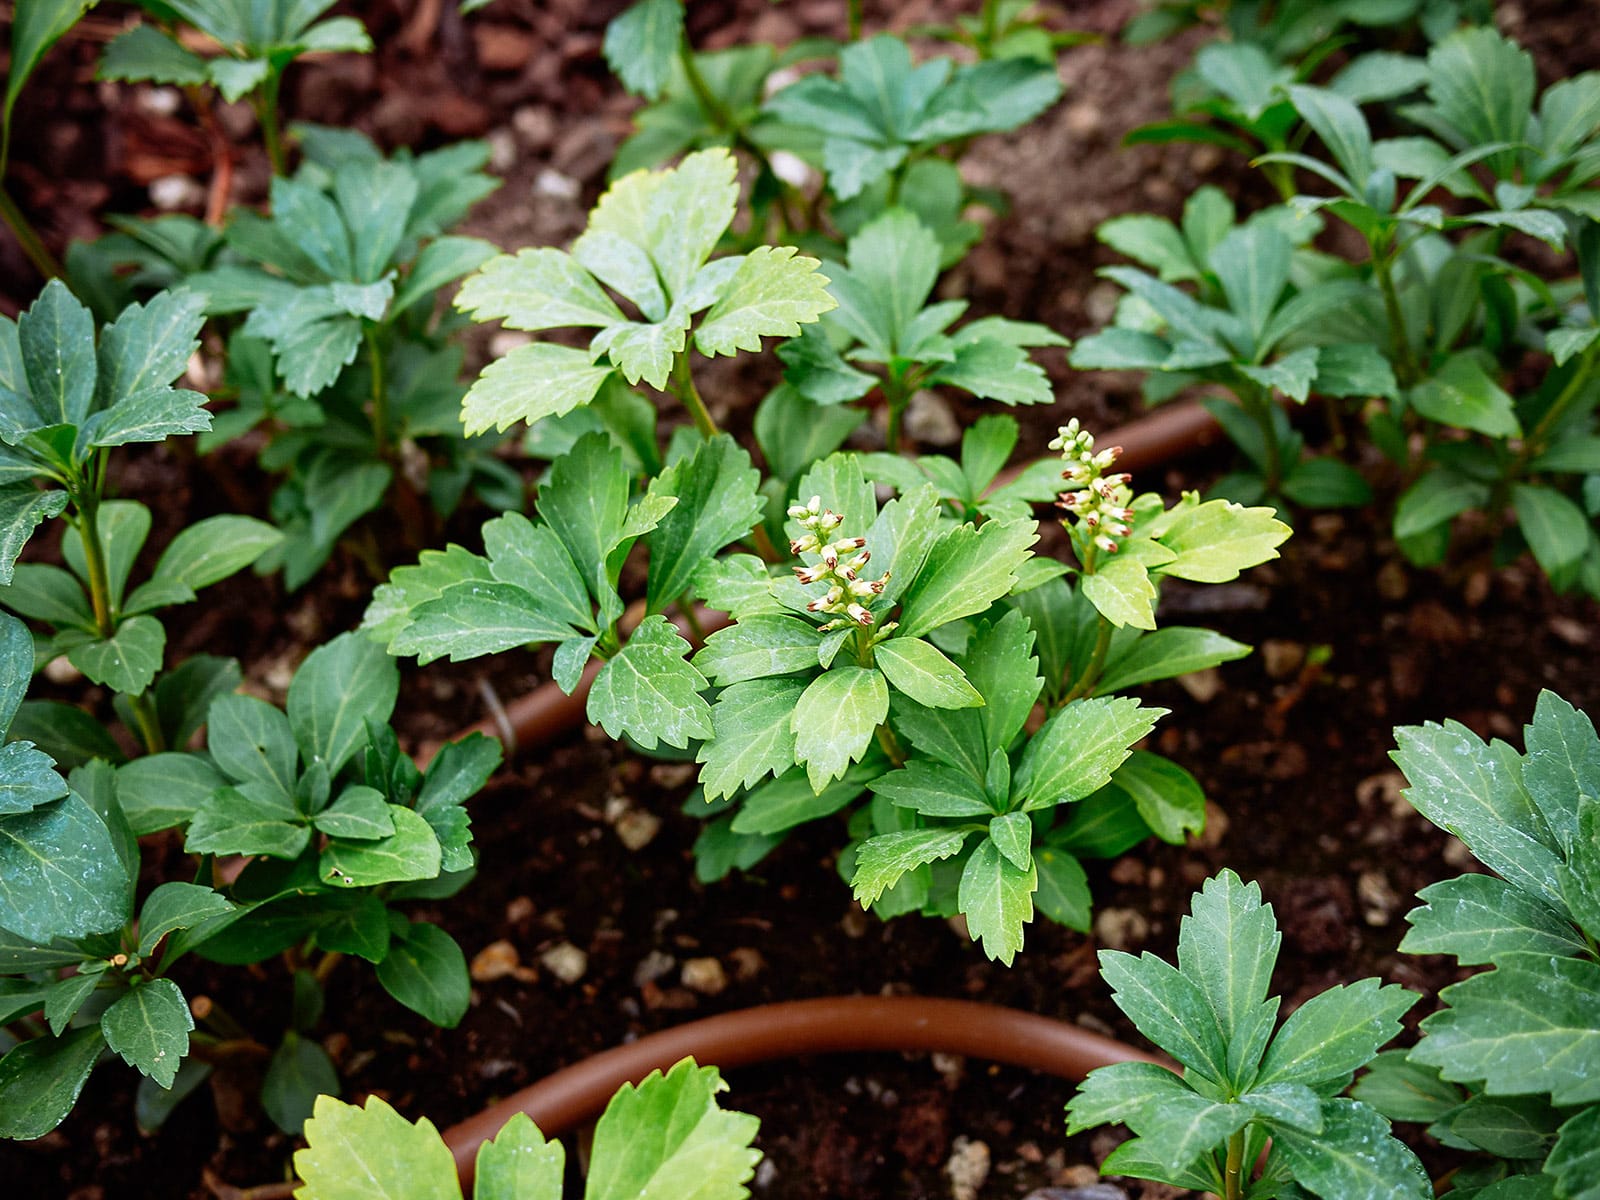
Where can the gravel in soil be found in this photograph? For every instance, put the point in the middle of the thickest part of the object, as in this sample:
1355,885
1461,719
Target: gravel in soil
586,925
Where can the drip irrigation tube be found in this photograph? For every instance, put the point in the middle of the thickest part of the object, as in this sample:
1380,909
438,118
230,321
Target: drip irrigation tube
842,1024
547,713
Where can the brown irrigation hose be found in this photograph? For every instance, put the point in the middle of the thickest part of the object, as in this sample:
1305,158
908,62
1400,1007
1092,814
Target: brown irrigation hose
841,1024
547,713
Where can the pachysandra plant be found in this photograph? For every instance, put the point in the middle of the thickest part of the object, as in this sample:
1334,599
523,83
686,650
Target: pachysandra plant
650,239
883,319
909,678
257,43
339,286
1508,1066
665,1139
1253,326
1244,1084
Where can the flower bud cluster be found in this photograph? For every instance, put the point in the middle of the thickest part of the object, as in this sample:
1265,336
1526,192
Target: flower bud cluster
841,561
1100,501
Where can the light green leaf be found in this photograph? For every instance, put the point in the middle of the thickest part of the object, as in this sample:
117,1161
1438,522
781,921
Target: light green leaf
530,383
373,1153
1169,799
409,587
752,735
676,216
412,851
1175,650
936,790
757,647
519,1164
1077,750
149,1026
585,500
773,293
539,288
641,45
533,558
1557,530
667,1138
996,897
835,720
648,691
1216,540
916,668
882,860
213,549
1121,590
1461,394
965,572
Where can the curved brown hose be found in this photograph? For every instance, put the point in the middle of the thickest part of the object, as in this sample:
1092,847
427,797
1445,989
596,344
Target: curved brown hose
547,713
839,1024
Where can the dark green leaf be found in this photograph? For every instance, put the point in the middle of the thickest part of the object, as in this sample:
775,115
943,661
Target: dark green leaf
426,971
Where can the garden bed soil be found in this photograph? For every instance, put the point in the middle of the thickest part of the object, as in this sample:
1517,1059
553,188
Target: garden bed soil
585,858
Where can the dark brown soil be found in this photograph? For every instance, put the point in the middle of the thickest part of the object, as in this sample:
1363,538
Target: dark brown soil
1294,758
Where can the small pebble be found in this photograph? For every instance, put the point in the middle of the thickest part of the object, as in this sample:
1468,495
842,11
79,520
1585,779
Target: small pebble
930,421
1202,685
1121,928
552,183
636,828
565,961
59,670
704,975
652,967
968,1168
498,960
1281,658
1378,898
173,192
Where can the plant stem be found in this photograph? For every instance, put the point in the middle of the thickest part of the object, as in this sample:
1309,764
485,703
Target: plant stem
380,393
267,113
1406,359
1090,675
94,561
1258,403
683,388
38,254
326,965
990,27
149,722
855,20
897,396
692,618
762,541
891,745
1534,444
1233,1179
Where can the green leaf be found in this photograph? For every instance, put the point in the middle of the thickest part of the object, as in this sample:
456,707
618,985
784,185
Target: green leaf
64,998
996,896
648,691
237,77
41,1078
717,503
360,814
1169,1008
758,647
16,667
530,383
533,558
35,28
252,741
585,500
1481,918
145,349
1461,394
772,294
1563,762
676,216
149,1026
213,549
1216,540
473,619
60,875
1526,1027
426,971
1153,241
752,735
892,265
173,906
994,370
1341,127
338,688
21,511
1012,833
144,53
1076,751
298,1078
965,572
1110,1095
1575,1158
781,804
1121,590
27,778
882,860
373,1153
667,1138
1335,1033
1326,483
249,819
1437,497
1252,264
1557,530
835,720
641,45
1169,800
411,852
519,1164
409,587
1404,1091
1063,893
49,594
1175,650
1463,787
1354,1156
916,668
535,289
936,790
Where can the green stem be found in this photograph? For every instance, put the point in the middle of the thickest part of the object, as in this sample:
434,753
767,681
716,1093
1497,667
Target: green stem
897,395
990,28
855,20
692,618
149,722
1258,403
891,745
38,254
1233,1180
1406,360
1534,444
267,113
1090,675
684,389
94,561
380,394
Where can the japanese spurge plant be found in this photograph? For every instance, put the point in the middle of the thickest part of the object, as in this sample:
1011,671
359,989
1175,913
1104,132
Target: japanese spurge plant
1509,1066
1241,1083
665,1139
650,240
